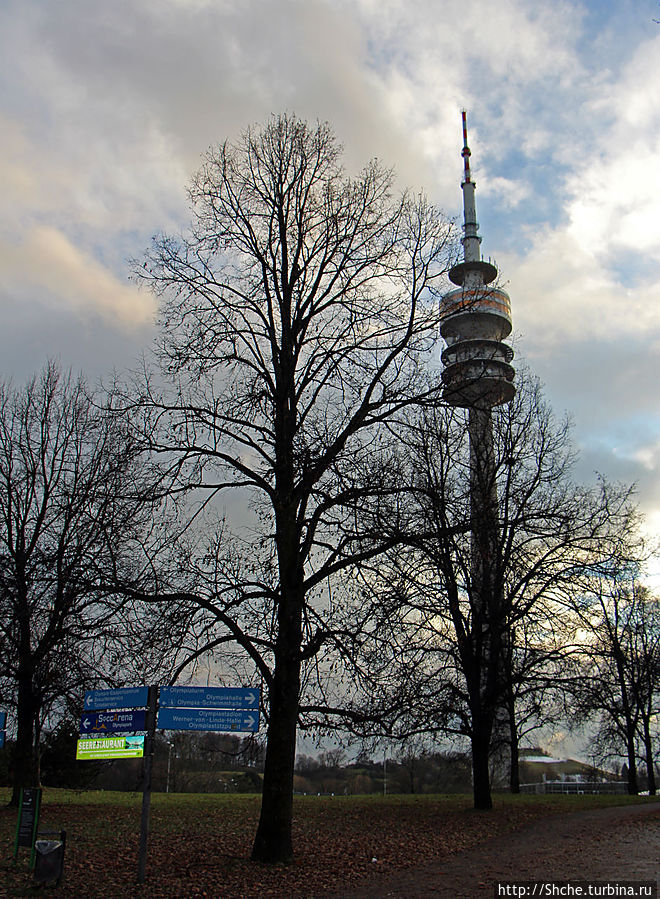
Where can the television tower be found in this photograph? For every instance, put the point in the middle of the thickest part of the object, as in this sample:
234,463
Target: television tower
476,318
477,375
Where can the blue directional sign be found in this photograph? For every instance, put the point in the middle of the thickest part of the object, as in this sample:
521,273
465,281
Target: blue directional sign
209,697
124,698
208,719
113,722
3,720
2,738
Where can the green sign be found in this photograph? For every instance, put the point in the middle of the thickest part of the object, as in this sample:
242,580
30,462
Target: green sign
110,748
28,820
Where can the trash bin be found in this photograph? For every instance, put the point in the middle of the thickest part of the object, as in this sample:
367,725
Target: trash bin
49,857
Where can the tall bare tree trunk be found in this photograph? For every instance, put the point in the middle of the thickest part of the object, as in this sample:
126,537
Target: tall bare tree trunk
514,748
24,760
648,756
633,784
481,737
273,841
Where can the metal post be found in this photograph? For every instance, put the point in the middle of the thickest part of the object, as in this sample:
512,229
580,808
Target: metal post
169,762
384,774
146,781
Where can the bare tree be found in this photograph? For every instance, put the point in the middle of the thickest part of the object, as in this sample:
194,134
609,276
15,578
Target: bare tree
68,475
296,314
535,657
647,648
548,529
619,678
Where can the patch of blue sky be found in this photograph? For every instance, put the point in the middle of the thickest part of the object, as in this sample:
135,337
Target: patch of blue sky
632,268
624,435
383,55
600,458
514,229
611,25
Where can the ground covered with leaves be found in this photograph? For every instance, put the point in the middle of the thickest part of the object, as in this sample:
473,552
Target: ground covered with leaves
199,845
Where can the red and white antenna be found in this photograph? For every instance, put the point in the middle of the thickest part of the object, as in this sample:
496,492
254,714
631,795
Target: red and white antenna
465,153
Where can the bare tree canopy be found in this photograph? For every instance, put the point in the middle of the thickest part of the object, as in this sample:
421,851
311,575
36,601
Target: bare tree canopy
297,312
461,663
618,687
68,508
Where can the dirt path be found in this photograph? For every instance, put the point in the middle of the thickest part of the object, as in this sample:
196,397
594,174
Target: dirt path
621,843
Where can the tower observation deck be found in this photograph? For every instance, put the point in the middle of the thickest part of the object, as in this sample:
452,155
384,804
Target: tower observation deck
476,319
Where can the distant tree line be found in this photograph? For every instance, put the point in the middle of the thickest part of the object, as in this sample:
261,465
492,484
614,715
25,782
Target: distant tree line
283,497
405,772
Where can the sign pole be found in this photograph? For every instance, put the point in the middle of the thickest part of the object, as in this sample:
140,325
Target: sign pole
146,781
28,820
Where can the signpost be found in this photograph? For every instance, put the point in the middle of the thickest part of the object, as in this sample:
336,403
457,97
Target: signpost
123,698
110,748
28,820
113,722
181,708
208,719
98,719
209,697
3,725
152,700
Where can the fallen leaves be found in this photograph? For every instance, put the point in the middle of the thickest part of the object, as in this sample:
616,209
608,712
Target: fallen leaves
200,845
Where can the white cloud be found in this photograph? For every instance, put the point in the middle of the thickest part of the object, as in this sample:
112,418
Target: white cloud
617,201
562,292
504,61
648,456
49,264
615,188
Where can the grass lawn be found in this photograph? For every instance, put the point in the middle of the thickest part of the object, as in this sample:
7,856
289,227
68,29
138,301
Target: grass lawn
199,845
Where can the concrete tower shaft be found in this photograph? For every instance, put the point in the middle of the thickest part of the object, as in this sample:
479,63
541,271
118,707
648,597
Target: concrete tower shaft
476,318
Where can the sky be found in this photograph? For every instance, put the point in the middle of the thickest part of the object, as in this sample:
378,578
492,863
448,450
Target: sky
107,108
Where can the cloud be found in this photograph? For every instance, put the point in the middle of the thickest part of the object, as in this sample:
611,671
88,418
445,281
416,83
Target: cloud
106,110
511,65
47,263
615,191
584,285
562,292
197,72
